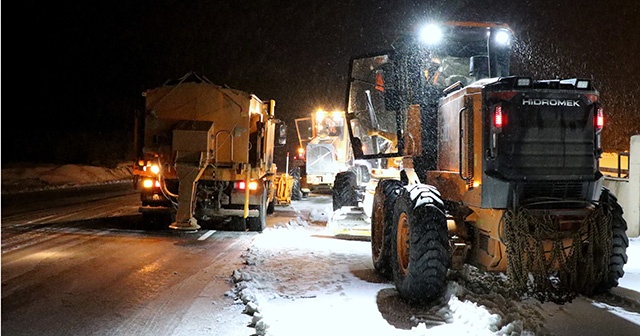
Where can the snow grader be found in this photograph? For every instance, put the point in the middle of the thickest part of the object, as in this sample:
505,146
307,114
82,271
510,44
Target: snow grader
324,142
497,171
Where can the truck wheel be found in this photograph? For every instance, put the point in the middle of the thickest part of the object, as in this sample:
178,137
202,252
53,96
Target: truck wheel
344,190
238,223
363,173
619,240
420,242
259,223
296,191
381,222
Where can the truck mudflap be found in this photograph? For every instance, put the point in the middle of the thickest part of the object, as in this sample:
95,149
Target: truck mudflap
351,223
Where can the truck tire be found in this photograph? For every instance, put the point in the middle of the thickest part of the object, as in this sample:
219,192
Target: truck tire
619,240
296,190
420,243
363,173
344,191
259,223
238,223
384,198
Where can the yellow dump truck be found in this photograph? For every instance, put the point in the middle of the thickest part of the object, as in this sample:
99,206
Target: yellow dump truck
205,153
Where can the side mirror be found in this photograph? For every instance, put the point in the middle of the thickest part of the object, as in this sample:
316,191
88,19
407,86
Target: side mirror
281,133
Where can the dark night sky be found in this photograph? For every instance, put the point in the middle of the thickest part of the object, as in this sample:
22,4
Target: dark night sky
78,68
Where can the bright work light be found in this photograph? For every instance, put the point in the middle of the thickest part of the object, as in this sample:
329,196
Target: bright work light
523,81
430,34
503,37
582,84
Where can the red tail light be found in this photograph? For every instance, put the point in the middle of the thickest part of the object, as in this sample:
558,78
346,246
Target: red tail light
498,117
242,185
599,119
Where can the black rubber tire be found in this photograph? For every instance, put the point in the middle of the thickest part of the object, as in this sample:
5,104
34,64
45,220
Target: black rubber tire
344,190
258,224
237,223
271,208
620,241
363,171
384,198
421,257
296,191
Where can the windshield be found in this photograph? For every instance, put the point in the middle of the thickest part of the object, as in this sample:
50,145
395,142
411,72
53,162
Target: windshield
304,129
374,125
384,87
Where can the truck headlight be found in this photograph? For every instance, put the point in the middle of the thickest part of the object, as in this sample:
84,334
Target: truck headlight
147,183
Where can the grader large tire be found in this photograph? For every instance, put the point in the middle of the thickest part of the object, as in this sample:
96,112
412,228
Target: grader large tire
619,241
421,255
384,198
296,190
344,191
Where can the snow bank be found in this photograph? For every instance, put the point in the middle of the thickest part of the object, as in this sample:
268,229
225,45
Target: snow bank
27,178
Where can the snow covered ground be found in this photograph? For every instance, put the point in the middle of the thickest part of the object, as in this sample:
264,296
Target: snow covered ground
299,280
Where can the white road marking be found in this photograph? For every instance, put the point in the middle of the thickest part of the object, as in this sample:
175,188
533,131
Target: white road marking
207,234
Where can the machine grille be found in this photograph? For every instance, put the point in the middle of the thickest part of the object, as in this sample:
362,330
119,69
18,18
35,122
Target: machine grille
554,189
320,159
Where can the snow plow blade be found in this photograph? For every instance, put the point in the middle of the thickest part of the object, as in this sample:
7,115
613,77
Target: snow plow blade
351,223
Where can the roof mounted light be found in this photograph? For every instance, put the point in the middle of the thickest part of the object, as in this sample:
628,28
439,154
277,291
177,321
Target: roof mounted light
523,81
503,37
431,34
582,84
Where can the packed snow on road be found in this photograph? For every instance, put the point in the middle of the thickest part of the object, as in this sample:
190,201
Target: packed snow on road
299,279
